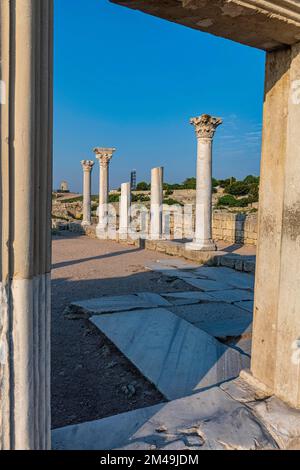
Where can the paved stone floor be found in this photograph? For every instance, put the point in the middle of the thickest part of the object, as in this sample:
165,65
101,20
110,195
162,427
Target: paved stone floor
91,379
185,327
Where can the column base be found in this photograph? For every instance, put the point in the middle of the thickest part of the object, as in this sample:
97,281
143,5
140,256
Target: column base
123,234
207,245
85,223
102,233
155,237
106,233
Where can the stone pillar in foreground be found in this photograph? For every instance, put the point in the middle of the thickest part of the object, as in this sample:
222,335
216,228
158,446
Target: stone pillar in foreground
87,166
205,127
104,155
26,30
156,219
124,210
276,332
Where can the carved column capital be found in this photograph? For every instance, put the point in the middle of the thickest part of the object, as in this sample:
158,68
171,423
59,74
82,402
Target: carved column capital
104,155
87,165
205,126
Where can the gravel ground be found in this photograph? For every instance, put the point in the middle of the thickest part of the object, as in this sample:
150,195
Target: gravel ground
90,377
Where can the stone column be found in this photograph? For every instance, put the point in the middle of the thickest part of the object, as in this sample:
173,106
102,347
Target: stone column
87,166
104,155
26,29
125,210
276,333
205,127
156,203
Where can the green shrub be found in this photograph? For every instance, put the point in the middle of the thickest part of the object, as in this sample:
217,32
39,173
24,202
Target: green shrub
140,198
113,198
238,188
171,202
143,186
169,192
227,200
250,179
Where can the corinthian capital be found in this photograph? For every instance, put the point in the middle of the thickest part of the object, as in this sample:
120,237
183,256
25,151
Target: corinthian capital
87,165
205,126
104,155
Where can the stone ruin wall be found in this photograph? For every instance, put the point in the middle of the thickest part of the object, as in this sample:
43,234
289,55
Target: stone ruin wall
231,227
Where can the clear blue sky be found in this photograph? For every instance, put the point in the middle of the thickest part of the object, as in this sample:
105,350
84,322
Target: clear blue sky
132,81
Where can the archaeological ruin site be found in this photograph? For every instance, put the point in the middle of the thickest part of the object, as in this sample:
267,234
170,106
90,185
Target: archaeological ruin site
150,316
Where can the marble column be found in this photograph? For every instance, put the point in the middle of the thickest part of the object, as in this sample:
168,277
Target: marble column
26,41
87,166
125,210
205,127
104,155
156,218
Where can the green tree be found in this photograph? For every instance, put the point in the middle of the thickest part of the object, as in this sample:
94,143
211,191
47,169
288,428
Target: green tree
250,179
189,183
143,186
238,188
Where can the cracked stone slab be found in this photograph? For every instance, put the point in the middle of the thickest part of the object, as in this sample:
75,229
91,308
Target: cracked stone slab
246,305
205,420
110,304
207,284
186,298
218,319
232,295
231,277
281,421
174,355
170,267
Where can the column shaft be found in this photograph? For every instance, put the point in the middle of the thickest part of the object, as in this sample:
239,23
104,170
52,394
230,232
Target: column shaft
205,127
125,210
203,224
104,155
87,166
276,334
156,203
26,29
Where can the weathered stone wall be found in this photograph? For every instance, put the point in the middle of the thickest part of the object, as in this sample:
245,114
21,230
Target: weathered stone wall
235,228
231,227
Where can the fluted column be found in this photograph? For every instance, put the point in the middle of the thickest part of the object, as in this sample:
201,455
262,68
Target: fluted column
156,219
26,28
87,166
205,127
104,155
125,210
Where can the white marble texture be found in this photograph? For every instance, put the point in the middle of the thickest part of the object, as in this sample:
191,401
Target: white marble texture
206,284
173,354
218,319
203,421
233,295
246,305
118,303
186,298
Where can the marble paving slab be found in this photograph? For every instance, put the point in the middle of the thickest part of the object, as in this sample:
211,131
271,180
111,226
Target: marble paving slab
233,295
247,305
206,278
205,420
231,277
186,298
110,304
175,263
219,319
173,354
206,284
